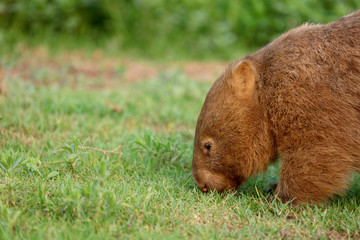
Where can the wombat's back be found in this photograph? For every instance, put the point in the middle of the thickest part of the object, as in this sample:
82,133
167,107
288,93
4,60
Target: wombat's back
310,84
327,53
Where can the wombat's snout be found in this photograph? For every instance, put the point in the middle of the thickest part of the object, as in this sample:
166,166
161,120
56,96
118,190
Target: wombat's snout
200,179
208,181
203,188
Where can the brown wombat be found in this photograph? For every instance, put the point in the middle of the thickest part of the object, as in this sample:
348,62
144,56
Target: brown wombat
297,98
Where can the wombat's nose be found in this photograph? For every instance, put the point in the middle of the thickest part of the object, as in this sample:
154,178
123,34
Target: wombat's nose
204,189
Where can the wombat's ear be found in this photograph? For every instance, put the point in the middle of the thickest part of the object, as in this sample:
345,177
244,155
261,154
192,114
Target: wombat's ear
244,77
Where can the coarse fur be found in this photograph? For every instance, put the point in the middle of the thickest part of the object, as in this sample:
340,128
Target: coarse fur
297,98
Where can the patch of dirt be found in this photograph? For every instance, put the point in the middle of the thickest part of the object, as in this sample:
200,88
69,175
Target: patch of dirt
39,66
287,233
331,234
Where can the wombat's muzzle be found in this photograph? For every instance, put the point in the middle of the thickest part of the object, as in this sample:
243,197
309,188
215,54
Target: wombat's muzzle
208,181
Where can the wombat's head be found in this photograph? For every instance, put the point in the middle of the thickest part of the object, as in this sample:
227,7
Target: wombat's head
232,139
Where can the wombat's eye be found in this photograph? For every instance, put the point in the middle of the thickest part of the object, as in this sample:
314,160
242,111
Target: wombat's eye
208,146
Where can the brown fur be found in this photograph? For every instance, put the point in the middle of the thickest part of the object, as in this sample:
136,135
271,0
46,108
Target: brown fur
297,98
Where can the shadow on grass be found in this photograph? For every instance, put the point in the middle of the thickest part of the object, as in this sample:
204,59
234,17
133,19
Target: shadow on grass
261,183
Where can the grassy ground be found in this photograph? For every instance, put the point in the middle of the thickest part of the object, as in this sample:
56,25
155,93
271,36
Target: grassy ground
88,153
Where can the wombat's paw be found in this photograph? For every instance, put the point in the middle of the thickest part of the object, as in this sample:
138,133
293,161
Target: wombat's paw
272,188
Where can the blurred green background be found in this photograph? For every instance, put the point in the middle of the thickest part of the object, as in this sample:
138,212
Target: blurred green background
160,29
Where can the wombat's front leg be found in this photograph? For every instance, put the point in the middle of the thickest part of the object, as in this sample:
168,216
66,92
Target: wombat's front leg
313,175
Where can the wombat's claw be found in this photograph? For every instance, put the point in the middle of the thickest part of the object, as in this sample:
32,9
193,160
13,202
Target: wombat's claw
272,188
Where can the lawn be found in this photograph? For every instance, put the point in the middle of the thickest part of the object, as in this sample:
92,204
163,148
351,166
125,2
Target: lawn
100,148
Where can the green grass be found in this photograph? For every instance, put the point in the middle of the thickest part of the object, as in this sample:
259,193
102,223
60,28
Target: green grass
58,179
187,29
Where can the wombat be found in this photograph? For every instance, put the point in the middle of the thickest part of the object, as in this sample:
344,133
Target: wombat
297,98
